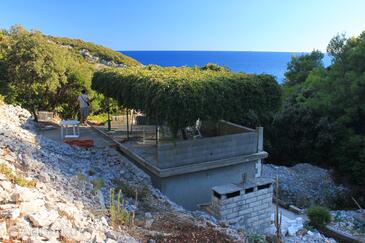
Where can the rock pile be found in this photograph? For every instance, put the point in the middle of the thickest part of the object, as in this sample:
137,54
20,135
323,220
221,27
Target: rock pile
350,222
95,59
305,184
42,197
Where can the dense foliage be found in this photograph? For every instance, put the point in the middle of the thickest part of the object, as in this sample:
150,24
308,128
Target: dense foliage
323,118
318,216
40,74
100,51
179,96
300,66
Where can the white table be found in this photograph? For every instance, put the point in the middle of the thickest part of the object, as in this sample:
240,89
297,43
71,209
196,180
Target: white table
65,124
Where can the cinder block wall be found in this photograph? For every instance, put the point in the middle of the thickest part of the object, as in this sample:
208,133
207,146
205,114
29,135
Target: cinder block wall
206,149
251,206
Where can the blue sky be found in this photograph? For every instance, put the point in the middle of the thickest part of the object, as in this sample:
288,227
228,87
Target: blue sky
238,25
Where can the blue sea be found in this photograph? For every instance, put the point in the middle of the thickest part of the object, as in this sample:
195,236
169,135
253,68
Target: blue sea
274,63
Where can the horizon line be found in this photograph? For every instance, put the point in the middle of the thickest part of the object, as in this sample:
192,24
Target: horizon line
219,51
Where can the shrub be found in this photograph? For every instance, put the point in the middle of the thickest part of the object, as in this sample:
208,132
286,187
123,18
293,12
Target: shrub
318,215
99,119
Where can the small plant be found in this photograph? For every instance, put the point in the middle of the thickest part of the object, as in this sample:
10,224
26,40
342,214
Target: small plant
256,238
16,179
98,183
318,215
118,215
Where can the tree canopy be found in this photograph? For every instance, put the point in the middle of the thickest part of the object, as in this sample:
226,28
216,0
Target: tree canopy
300,66
322,120
40,74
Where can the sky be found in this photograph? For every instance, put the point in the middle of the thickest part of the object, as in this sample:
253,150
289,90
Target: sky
222,25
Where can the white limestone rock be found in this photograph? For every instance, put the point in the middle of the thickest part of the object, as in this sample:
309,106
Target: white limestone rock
23,194
75,235
60,224
3,231
44,218
6,185
32,206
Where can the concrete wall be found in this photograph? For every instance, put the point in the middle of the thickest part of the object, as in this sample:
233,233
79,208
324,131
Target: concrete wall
227,128
192,189
206,149
221,128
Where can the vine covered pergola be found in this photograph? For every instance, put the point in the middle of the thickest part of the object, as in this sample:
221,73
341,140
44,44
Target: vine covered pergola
178,96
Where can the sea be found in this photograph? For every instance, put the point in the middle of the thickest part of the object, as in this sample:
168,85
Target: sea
274,63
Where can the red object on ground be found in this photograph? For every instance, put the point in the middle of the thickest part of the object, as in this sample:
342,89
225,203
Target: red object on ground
81,142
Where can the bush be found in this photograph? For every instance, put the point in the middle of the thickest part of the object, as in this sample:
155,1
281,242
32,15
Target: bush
99,119
318,215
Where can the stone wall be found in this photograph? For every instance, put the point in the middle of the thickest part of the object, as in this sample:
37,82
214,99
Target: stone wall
248,204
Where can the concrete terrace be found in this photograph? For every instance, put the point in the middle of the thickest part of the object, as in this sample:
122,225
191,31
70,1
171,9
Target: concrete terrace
226,153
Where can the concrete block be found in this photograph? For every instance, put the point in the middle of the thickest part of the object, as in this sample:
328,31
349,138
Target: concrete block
252,220
255,204
232,215
245,211
225,212
251,200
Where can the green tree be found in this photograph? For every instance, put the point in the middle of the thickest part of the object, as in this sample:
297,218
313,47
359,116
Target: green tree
35,68
300,66
322,119
5,43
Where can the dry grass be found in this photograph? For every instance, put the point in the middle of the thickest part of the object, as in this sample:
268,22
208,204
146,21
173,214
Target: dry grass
118,215
16,179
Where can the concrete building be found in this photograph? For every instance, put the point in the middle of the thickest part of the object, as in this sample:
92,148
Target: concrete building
186,171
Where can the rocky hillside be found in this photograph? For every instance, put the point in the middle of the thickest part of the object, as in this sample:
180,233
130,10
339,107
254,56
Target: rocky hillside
95,53
58,193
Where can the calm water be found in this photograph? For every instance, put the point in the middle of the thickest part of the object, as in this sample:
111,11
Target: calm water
274,63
